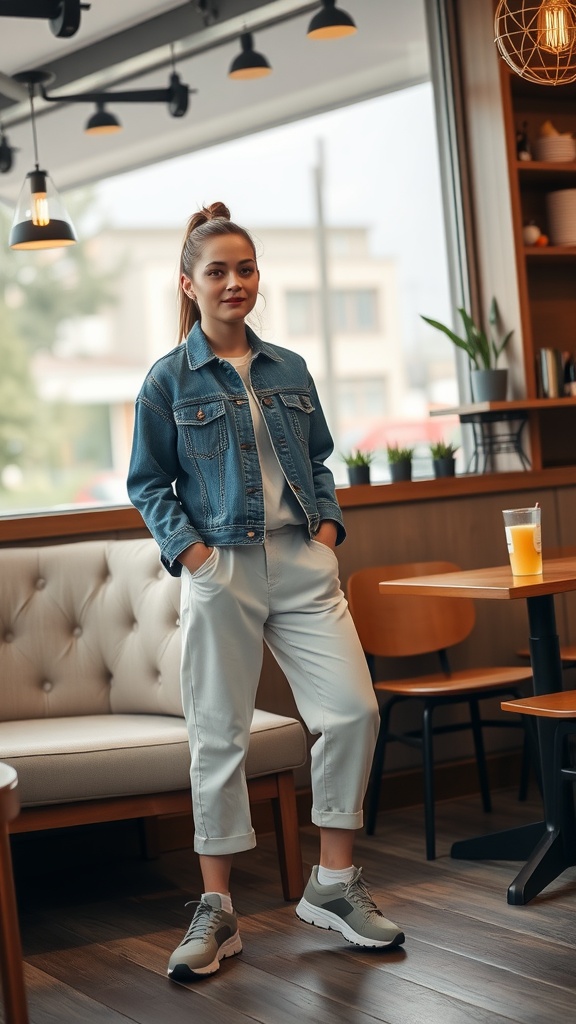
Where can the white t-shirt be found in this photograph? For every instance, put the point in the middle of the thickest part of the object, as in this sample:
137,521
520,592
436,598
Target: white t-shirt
281,507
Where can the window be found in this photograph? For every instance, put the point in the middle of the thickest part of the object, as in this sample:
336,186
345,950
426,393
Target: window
83,326
302,313
355,310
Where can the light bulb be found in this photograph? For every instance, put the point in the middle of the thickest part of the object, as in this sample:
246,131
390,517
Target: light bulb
40,215
38,188
556,26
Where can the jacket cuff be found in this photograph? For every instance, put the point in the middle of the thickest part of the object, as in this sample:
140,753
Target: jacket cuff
175,545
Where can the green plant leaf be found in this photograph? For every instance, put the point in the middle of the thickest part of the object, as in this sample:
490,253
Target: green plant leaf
454,338
358,458
477,341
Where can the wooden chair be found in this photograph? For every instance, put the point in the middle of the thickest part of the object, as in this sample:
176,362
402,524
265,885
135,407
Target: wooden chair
11,968
393,626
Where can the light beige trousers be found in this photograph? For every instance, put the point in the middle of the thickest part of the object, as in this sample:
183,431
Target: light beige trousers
287,593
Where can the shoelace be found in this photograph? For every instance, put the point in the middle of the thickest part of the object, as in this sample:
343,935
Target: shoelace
197,929
358,891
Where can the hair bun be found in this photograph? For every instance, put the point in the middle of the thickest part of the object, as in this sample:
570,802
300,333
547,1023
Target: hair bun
216,211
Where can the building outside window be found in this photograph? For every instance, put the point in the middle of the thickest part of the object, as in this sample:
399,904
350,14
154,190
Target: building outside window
302,313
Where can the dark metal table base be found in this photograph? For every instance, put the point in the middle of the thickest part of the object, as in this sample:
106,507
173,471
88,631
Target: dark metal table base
548,846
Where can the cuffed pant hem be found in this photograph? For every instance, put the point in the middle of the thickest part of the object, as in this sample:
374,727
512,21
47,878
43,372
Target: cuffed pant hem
337,819
225,845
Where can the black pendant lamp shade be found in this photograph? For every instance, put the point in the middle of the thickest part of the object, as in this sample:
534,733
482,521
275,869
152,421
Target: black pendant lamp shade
330,23
40,220
102,122
248,63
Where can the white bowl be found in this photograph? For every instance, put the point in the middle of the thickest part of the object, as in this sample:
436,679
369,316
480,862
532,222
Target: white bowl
555,148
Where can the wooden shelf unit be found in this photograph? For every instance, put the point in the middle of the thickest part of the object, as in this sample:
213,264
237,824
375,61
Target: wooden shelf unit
546,275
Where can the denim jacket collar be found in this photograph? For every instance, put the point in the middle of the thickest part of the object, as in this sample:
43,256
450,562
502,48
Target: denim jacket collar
199,352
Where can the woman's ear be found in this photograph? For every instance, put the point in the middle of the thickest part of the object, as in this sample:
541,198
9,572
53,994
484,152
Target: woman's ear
186,286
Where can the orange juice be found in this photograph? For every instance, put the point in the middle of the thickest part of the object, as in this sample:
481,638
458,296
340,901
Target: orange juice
525,549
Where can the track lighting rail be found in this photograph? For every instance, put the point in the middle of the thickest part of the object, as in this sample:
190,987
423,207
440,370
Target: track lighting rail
175,96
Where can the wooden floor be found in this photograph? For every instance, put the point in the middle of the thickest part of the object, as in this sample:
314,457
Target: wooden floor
97,933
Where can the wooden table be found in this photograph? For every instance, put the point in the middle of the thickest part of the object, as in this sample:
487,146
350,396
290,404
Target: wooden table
541,844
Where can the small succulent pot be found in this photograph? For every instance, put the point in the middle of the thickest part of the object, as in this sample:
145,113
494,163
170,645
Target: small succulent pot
444,467
400,471
358,475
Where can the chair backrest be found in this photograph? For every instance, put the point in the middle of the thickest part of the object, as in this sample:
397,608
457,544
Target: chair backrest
397,625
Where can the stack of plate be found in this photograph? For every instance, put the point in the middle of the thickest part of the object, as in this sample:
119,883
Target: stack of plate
561,211
555,148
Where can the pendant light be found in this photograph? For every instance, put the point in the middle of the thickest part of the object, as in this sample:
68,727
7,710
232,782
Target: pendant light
248,63
537,39
331,23
102,122
6,153
40,220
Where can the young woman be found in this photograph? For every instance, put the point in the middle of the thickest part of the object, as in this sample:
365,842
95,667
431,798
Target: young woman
228,470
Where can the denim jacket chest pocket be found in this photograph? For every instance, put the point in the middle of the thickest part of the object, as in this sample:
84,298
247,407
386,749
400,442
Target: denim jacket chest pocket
299,408
202,428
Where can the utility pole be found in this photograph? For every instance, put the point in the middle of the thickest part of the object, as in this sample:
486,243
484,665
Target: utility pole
329,395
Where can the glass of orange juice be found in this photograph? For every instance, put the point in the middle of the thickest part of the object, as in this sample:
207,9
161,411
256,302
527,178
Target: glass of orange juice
524,539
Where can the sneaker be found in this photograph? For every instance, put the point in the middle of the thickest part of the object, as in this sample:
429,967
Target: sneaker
347,907
212,936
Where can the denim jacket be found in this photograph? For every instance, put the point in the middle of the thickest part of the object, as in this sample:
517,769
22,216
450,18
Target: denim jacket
194,471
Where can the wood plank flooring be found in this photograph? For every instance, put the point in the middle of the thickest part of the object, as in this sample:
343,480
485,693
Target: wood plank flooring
98,924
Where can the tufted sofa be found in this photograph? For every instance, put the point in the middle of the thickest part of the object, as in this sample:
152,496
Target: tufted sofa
90,710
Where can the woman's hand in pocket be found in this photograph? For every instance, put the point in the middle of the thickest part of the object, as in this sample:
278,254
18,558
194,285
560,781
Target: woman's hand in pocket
195,556
327,533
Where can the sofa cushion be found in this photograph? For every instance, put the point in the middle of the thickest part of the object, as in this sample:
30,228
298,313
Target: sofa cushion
60,760
88,628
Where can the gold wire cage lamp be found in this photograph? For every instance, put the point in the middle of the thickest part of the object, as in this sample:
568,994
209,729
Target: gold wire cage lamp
537,39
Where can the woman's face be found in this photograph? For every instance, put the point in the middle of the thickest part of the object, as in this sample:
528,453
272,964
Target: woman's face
224,281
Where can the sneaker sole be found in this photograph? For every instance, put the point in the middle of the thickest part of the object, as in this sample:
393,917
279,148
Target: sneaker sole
321,918
182,972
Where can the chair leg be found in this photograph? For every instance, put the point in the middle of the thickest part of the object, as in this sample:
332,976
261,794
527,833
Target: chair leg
11,969
378,767
428,765
288,837
480,755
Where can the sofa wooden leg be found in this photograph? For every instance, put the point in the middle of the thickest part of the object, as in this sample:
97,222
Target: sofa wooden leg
11,967
287,837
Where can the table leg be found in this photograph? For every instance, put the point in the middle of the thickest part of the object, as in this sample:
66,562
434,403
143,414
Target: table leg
543,844
510,844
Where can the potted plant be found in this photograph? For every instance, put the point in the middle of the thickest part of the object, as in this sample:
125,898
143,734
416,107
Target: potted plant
489,383
358,465
443,460
400,462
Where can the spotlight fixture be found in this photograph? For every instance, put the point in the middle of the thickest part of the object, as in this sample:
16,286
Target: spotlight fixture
248,63
6,153
102,122
40,220
62,15
330,23
175,96
537,39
